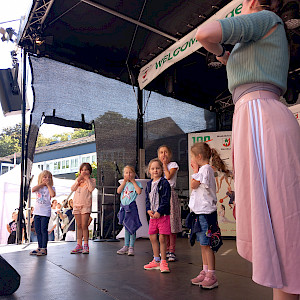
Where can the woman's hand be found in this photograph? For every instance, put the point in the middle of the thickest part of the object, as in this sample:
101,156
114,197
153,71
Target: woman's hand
223,59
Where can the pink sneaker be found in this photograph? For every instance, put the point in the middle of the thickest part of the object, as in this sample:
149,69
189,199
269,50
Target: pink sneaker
86,249
197,280
77,250
164,268
153,265
210,281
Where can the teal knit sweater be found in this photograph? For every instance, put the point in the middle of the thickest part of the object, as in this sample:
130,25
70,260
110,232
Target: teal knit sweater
254,59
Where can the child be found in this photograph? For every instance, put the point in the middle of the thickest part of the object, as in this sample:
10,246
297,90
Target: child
170,172
129,215
82,201
12,228
203,203
158,193
42,210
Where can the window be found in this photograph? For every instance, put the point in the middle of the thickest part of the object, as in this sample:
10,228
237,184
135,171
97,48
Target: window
63,164
67,164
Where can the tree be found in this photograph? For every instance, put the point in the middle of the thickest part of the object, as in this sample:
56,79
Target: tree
8,145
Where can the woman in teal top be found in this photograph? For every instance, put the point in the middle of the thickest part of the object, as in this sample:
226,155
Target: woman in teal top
266,142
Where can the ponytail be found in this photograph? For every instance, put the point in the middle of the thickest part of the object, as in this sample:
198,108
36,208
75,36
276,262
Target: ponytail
218,163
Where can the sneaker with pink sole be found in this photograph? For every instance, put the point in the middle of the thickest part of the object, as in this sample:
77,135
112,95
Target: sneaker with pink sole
197,280
77,250
153,265
210,281
164,268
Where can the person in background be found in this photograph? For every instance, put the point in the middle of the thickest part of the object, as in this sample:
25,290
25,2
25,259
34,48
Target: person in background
171,168
42,210
12,228
82,200
128,214
266,142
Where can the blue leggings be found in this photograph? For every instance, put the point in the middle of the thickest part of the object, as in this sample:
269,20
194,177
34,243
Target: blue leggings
129,238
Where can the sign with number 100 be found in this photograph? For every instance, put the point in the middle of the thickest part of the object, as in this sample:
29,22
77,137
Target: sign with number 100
200,139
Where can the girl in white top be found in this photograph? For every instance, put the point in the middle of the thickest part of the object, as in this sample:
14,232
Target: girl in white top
170,169
42,210
203,202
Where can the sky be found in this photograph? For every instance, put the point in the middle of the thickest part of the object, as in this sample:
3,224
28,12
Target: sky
14,10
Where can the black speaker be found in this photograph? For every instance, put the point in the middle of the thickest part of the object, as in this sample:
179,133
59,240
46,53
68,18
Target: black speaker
10,96
9,278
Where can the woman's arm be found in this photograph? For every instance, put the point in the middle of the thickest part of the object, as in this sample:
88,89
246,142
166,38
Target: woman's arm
210,36
8,228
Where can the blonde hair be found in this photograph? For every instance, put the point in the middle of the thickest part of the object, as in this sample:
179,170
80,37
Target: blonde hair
131,168
168,148
151,162
44,173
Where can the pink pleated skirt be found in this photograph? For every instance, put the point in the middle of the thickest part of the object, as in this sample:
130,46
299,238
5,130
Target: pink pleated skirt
266,156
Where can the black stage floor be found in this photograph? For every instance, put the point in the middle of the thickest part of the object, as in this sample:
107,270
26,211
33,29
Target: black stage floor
103,274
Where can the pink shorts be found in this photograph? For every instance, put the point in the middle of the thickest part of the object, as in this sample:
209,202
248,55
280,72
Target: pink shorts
160,225
81,210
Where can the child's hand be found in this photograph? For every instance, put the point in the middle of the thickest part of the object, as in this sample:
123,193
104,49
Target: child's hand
156,215
194,166
150,213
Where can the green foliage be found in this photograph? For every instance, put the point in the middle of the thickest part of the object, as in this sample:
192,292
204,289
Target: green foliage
8,145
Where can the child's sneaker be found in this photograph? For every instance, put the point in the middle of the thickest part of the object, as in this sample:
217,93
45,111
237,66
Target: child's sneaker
77,250
210,281
171,257
164,268
42,252
123,250
35,252
197,280
86,249
153,265
130,251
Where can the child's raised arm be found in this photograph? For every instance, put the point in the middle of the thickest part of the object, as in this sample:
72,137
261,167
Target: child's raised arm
137,188
51,190
37,187
121,187
169,174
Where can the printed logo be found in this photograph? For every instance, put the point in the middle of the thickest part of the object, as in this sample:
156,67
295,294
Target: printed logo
226,142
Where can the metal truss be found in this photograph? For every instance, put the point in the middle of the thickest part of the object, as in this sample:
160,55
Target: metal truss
37,18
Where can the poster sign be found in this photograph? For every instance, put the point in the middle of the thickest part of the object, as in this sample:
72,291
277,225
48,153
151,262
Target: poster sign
295,109
222,142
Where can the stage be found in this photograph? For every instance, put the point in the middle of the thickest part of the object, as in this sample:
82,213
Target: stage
103,274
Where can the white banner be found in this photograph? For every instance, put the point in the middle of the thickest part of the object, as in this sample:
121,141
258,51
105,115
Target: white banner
221,141
184,47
